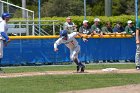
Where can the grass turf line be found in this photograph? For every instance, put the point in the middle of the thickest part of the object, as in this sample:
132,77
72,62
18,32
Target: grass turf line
67,67
59,83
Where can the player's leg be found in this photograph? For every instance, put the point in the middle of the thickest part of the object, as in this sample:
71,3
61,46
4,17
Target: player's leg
75,61
0,66
80,67
1,53
74,57
137,57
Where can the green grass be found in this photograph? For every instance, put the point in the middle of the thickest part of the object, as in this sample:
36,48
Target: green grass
59,83
66,67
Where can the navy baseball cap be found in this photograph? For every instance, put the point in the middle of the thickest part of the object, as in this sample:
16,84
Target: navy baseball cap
5,15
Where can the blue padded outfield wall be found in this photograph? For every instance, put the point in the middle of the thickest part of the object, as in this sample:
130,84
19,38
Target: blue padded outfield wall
40,50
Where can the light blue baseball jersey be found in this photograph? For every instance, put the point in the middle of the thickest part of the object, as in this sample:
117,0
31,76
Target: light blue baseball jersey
71,42
3,27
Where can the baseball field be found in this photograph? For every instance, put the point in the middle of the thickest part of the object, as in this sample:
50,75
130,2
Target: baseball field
59,78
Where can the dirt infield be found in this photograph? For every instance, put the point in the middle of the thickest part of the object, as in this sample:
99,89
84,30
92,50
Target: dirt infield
12,75
119,89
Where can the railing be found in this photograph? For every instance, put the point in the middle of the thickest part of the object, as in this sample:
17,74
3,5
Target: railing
23,27
18,7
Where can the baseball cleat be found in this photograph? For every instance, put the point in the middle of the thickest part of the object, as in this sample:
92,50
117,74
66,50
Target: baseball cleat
78,68
82,69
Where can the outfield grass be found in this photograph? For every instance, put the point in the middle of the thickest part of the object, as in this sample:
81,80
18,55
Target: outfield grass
66,67
59,83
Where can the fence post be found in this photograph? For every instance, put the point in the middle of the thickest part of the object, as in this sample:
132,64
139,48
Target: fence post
1,8
33,26
108,7
20,27
53,28
27,24
136,12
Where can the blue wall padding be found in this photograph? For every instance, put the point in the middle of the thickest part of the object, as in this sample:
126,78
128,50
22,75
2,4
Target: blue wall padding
22,51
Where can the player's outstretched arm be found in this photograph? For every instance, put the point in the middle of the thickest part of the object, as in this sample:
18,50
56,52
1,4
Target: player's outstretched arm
58,42
55,47
6,38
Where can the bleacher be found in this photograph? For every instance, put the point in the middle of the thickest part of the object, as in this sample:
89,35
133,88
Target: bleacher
13,29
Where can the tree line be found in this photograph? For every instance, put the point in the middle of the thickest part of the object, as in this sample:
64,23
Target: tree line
63,8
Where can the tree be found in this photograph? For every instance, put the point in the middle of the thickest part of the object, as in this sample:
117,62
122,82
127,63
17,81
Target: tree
55,8
63,8
31,5
76,7
98,8
124,7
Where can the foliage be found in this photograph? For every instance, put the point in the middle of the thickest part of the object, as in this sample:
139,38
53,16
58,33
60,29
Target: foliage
63,8
78,20
98,8
75,7
119,7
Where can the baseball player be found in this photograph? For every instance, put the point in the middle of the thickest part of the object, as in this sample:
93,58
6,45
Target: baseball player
137,55
4,39
70,41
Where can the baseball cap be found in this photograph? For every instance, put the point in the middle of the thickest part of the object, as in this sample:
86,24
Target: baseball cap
97,19
129,21
85,21
5,15
63,33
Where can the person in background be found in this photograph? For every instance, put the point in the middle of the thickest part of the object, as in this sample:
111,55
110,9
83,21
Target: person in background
69,25
118,28
4,39
130,28
85,29
107,29
95,28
